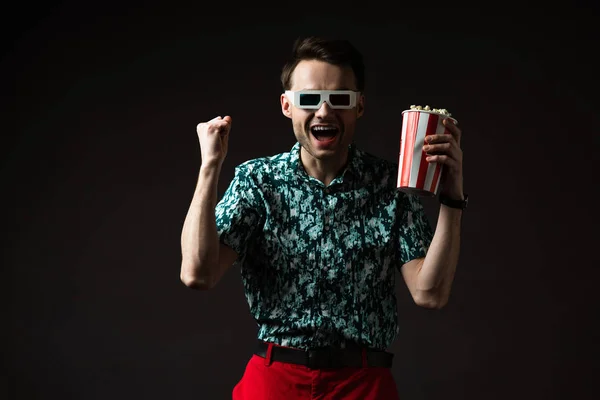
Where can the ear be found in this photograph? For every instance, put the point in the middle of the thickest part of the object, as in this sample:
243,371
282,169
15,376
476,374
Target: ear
360,106
286,106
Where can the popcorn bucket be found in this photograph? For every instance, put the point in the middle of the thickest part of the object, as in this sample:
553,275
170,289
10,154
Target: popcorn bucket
415,174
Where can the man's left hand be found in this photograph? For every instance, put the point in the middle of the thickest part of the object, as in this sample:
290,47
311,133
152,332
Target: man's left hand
445,149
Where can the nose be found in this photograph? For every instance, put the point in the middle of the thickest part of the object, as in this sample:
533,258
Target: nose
324,110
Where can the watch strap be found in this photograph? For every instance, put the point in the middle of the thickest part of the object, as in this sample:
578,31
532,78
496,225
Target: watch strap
453,203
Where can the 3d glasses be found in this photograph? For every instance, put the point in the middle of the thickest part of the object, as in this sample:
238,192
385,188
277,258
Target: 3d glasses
313,99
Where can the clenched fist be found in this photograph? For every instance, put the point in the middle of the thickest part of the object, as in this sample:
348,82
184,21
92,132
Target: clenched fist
213,137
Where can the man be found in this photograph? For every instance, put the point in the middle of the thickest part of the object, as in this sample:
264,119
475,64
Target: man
319,231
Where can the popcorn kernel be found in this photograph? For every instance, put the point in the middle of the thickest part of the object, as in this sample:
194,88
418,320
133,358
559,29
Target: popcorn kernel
442,111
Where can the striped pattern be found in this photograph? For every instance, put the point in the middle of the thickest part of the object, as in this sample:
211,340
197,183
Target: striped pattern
415,174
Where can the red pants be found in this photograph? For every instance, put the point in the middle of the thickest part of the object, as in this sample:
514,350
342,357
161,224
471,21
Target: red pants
266,380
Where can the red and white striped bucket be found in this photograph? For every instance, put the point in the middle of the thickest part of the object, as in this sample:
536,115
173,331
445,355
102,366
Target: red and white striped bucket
415,174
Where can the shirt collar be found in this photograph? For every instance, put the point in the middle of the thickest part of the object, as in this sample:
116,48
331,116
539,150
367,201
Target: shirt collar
353,169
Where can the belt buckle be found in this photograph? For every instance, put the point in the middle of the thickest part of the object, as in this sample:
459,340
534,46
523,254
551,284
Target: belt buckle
319,358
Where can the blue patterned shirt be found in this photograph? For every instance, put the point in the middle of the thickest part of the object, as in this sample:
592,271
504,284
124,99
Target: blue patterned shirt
318,262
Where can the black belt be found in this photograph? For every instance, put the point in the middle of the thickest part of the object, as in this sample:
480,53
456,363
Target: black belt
326,357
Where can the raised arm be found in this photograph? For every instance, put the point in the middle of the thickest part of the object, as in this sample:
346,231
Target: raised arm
430,279
204,258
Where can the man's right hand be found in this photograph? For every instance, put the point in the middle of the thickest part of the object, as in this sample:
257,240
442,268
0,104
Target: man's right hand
214,137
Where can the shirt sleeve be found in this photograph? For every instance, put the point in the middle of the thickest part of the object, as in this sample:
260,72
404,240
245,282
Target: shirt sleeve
416,232
239,213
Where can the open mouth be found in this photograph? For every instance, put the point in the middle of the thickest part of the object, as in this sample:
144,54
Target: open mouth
324,133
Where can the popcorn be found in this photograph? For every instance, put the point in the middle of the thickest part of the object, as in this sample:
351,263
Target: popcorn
442,111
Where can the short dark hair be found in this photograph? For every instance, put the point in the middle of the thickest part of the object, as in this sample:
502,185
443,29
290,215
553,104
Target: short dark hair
333,51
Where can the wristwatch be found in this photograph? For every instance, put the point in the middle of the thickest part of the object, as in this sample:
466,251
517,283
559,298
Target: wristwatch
460,204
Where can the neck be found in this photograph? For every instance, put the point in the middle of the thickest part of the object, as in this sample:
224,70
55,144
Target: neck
324,170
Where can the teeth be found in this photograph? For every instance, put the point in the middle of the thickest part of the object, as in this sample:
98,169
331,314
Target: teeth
323,128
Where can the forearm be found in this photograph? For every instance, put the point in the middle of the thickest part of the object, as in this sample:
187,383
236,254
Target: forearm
438,268
199,238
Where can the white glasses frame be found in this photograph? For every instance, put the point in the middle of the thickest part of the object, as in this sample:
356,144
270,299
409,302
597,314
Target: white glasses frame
294,98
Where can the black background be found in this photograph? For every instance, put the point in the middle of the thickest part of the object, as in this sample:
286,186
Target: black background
100,158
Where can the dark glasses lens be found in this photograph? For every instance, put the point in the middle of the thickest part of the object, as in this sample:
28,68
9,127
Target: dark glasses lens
311,99
340,99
